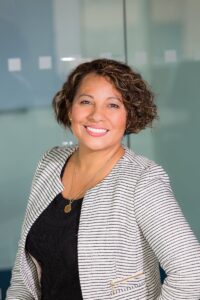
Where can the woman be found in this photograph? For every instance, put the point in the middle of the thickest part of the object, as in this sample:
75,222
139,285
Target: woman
100,218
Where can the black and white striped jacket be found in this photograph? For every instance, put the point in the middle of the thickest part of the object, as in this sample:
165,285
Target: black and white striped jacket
129,222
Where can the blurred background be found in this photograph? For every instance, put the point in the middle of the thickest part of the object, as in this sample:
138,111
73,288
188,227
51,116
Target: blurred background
41,41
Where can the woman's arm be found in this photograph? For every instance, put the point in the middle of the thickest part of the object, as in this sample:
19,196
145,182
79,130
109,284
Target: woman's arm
17,289
169,235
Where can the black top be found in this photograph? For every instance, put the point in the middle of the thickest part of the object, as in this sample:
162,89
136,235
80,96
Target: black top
52,241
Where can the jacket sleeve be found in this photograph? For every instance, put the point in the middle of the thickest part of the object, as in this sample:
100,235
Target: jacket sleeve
17,289
169,235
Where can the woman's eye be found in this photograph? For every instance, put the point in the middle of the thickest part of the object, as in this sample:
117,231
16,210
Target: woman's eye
114,105
84,102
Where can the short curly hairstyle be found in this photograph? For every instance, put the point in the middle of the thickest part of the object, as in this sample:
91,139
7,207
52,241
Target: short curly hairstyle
136,94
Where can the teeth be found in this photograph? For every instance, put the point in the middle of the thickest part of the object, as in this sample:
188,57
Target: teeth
96,130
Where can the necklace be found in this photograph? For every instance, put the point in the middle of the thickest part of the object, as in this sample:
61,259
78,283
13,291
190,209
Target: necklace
68,207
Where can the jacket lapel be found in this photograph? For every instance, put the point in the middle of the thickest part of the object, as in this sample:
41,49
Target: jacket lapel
47,184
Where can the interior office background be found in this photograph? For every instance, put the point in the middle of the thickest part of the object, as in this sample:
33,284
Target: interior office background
41,41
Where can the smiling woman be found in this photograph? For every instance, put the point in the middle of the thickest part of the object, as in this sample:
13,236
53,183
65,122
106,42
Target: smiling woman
92,228
98,115
128,87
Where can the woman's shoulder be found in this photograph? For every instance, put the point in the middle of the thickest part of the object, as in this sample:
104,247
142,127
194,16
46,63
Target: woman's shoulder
57,153
144,165
138,160
53,158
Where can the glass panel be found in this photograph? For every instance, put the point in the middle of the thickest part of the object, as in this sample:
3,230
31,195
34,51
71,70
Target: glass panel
102,29
41,41
164,45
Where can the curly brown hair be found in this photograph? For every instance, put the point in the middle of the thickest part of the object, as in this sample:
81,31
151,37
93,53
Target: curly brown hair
136,93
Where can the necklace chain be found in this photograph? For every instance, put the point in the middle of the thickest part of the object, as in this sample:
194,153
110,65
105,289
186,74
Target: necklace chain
68,206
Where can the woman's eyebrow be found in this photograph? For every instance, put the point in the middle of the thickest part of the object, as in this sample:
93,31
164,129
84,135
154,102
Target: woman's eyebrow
109,98
87,95
115,98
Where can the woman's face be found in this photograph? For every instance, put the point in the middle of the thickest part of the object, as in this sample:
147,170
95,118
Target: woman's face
98,114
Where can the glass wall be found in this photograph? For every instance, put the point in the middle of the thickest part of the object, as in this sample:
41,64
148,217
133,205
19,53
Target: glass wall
41,41
163,44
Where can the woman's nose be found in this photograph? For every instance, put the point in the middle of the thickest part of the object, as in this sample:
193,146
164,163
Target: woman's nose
96,113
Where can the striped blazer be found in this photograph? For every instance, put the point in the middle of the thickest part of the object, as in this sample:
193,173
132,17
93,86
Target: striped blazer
129,223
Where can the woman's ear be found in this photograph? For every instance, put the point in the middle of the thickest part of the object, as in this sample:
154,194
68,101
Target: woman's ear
69,115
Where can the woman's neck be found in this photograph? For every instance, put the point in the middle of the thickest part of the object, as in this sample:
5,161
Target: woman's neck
87,160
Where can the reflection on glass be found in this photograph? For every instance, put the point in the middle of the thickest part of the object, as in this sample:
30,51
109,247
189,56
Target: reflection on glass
163,44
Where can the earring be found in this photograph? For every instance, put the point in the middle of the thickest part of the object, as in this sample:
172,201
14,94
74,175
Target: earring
128,124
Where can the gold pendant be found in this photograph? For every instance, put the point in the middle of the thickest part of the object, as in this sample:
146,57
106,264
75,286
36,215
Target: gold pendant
67,208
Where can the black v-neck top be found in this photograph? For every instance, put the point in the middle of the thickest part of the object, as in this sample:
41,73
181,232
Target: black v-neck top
52,241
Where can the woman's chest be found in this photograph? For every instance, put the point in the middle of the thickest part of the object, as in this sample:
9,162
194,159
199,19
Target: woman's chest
54,233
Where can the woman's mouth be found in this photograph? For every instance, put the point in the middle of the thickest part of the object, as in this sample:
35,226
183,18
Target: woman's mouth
96,132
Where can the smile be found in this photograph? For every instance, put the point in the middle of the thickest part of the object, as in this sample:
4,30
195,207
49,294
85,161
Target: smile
96,131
